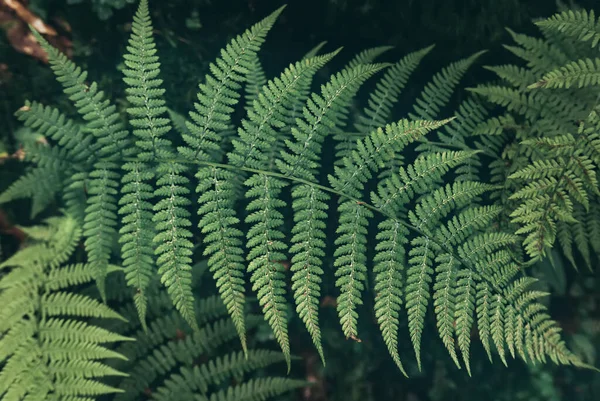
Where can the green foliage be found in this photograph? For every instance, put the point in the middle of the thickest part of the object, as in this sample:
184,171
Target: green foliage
153,226
49,350
59,342
417,205
552,106
170,360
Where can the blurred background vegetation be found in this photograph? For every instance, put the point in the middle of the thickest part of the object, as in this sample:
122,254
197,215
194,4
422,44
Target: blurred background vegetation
189,35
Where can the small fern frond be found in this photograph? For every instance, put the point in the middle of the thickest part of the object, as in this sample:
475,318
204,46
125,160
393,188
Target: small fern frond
219,93
64,154
40,184
51,123
516,76
579,24
255,80
315,50
252,149
381,101
583,73
217,96
367,56
258,131
267,251
387,91
308,202
330,109
540,55
167,226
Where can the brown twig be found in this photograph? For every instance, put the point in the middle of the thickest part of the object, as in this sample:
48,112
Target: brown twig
28,17
15,19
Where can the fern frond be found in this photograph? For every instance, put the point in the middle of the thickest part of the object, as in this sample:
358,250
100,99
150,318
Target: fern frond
540,55
217,97
437,245
219,93
553,188
40,184
516,76
256,139
292,112
112,144
330,109
579,24
255,80
315,50
167,226
367,56
51,123
582,73
169,360
47,348
267,251
189,382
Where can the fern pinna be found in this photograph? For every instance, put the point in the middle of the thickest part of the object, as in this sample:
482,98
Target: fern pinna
434,240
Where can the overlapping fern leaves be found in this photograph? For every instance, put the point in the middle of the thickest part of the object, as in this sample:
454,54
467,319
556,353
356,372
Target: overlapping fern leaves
434,236
169,360
48,348
552,107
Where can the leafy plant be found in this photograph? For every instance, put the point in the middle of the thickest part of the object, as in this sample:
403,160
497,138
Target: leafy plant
426,219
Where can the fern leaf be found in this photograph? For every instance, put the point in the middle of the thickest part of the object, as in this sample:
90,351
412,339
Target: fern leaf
445,301
169,360
148,117
579,24
540,55
388,90
47,357
103,122
389,264
219,92
465,297
315,50
266,251
583,73
216,98
367,56
40,184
